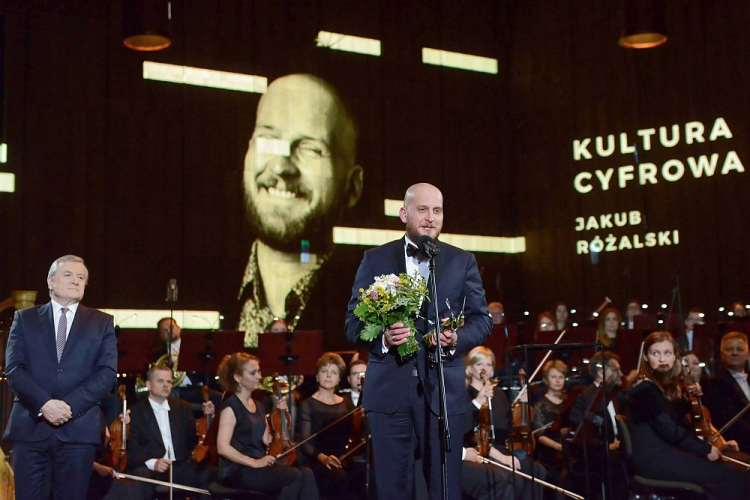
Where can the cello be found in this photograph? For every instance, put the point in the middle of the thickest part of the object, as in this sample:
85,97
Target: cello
280,422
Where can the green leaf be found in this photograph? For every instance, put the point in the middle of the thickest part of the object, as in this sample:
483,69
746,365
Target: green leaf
370,332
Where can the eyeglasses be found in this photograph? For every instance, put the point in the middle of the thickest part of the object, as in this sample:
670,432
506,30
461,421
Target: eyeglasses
358,374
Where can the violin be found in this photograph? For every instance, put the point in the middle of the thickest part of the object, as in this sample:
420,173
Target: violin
280,423
202,426
357,437
485,431
119,432
700,417
521,437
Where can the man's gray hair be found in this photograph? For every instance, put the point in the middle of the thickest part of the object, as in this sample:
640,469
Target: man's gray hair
64,258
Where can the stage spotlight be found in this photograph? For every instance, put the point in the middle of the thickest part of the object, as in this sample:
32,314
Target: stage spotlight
146,24
645,25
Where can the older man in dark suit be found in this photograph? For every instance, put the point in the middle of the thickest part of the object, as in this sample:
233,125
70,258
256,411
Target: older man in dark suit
402,395
162,435
61,361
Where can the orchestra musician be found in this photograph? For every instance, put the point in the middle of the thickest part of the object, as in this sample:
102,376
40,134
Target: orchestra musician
485,481
609,324
244,437
167,351
694,365
663,444
335,480
545,322
632,309
561,315
596,446
728,392
162,436
357,371
546,412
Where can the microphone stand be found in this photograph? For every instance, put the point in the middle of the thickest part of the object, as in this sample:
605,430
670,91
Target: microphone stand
443,430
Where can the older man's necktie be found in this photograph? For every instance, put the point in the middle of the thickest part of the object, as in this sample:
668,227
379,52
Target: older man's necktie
62,330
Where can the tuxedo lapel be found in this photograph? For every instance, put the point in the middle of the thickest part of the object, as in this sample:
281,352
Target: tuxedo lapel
47,327
399,256
153,425
174,425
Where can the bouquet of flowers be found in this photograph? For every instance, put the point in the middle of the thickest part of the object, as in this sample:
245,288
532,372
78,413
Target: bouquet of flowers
392,299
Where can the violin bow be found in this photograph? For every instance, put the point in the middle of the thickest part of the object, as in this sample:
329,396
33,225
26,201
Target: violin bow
300,443
532,479
731,422
539,367
120,475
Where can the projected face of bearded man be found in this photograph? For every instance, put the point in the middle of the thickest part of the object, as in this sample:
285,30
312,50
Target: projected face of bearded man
300,171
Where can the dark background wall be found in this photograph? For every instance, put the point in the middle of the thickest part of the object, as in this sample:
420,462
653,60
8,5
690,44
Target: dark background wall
142,178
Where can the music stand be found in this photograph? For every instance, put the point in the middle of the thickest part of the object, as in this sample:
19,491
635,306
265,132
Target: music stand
306,344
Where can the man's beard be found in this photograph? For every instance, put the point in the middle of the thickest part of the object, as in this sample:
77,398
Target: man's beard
286,233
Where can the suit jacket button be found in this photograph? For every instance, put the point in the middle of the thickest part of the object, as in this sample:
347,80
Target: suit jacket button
59,370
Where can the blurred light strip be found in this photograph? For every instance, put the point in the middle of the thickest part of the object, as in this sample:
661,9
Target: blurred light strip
459,61
348,43
392,207
7,182
3,152
147,318
204,77
470,243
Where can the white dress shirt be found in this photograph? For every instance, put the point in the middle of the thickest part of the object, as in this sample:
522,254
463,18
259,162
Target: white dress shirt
57,312
161,412
741,379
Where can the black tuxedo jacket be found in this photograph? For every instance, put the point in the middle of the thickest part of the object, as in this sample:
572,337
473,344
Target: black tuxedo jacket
145,441
387,377
724,399
85,374
582,402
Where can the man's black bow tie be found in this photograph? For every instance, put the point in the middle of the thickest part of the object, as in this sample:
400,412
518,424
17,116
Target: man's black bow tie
413,251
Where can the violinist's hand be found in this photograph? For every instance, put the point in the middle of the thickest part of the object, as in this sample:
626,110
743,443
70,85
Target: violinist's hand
126,419
714,455
396,334
472,455
695,389
732,446
448,338
282,404
484,393
208,408
266,461
162,464
330,461
614,446
56,412
103,470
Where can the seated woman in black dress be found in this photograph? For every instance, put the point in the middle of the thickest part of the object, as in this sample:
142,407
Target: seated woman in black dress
336,480
546,410
484,481
663,444
244,436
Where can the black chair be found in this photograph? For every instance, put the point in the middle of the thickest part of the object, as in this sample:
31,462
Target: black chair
640,485
222,492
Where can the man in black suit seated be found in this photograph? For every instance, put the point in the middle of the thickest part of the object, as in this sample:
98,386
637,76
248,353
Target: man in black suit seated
356,378
598,404
162,435
728,392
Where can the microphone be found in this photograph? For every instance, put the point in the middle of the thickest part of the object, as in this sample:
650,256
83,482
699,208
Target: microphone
172,290
428,246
